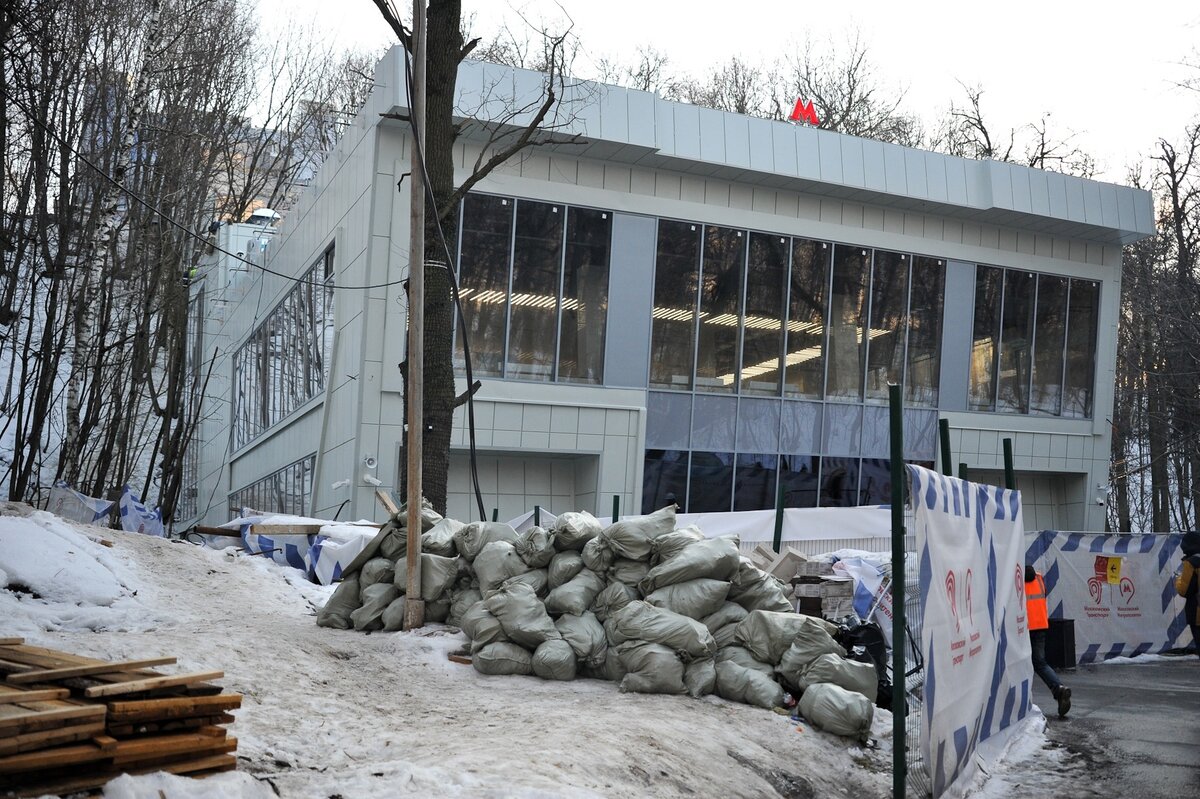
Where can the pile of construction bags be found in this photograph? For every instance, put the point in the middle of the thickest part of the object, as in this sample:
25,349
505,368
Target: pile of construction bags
639,602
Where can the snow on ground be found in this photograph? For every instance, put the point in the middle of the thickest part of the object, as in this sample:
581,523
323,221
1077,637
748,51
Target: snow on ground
333,712
1124,661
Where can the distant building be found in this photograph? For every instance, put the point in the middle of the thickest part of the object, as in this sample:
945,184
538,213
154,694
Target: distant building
685,304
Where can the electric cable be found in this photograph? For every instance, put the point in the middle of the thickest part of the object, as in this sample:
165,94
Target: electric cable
170,220
454,291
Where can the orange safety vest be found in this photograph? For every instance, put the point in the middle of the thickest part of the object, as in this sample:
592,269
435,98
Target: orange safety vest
1035,604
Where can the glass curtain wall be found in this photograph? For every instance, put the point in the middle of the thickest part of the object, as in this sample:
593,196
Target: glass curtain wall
923,372
721,272
484,252
284,361
807,288
676,293
766,293
584,296
533,297
846,350
533,285
1080,357
889,316
288,490
985,346
1050,322
1034,343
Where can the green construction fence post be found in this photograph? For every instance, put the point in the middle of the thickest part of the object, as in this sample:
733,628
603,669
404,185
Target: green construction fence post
537,515
899,750
944,435
962,471
1010,476
777,541
616,507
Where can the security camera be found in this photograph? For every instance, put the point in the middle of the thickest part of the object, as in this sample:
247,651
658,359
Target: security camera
241,253
370,462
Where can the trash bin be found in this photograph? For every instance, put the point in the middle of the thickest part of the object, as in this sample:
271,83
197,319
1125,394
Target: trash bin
1060,644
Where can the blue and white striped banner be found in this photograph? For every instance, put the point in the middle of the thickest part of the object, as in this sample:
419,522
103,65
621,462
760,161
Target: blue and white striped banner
1119,590
978,670
136,517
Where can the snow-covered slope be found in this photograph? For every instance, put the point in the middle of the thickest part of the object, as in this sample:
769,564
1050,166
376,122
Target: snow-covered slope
330,712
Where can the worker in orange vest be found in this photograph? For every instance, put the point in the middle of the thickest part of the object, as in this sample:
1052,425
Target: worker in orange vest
1039,623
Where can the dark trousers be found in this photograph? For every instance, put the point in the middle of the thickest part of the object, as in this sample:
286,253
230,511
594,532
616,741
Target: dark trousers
1038,639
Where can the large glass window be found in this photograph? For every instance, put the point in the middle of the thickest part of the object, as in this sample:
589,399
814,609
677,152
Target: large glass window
762,339
720,308
754,482
288,490
533,307
1081,348
805,359
533,284
1016,340
486,245
711,484
985,346
1034,343
284,362
923,373
839,482
885,333
875,482
798,473
585,296
676,287
847,313
1050,326
664,479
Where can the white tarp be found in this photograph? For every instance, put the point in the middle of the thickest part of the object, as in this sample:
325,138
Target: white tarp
136,517
70,504
978,671
872,592
1119,589
335,547
799,524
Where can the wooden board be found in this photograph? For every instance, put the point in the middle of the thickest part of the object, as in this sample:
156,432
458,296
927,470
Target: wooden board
150,683
11,641
33,741
45,675
385,499
205,764
16,719
13,695
173,708
174,725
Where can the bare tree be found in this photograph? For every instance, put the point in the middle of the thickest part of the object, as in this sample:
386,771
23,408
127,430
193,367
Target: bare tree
735,86
965,132
847,93
500,137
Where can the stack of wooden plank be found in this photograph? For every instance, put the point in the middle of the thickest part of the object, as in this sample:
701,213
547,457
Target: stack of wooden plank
69,723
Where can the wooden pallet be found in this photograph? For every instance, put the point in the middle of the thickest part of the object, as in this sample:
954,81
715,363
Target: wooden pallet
70,723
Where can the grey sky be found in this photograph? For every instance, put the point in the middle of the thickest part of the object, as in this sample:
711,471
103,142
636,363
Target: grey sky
1105,70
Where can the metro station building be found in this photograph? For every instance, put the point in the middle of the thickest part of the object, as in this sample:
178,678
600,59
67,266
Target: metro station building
682,304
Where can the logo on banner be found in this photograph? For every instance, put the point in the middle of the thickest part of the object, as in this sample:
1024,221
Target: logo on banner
1107,581
1019,582
962,607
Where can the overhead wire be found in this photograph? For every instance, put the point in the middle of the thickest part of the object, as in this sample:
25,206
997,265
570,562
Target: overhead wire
172,221
454,292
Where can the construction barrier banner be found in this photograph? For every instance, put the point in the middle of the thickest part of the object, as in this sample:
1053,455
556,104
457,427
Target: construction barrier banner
136,517
973,630
1117,588
70,504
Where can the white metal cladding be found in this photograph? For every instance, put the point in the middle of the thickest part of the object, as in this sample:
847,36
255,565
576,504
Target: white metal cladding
635,127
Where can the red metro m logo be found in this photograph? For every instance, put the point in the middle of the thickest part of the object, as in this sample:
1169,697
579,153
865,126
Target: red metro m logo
804,112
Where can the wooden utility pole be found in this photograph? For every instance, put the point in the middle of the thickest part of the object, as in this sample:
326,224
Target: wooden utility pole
414,605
